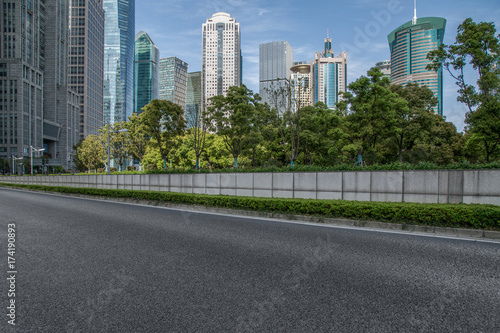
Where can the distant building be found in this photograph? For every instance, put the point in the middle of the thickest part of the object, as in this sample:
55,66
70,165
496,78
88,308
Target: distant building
409,44
221,55
146,67
118,60
60,103
86,62
37,109
385,68
194,100
22,65
275,61
329,75
301,85
173,79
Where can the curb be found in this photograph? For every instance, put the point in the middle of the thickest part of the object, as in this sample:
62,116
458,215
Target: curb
409,228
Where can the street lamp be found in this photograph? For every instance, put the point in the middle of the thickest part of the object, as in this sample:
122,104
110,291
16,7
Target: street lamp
119,131
14,163
37,150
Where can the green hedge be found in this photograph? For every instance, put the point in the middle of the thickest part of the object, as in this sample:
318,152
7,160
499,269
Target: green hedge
442,215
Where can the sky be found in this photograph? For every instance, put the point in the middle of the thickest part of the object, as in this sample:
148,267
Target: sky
359,27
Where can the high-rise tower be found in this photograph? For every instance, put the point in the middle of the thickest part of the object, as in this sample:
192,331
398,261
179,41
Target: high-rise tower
221,55
275,61
22,65
86,61
329,75
173,80
119,36
146,62
409,45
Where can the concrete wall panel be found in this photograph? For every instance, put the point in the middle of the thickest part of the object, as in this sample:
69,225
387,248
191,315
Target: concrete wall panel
305,181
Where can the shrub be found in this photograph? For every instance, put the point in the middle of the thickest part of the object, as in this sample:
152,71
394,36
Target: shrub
442,215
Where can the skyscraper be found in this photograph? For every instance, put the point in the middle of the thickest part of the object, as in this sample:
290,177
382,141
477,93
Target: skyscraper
119,36
275,61
193,98
329,75
86,60
301,84
221,55
173,80
146,61
409,45
385,68
60,103
22,65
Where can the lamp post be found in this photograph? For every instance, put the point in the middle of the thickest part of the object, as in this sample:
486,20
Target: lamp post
14,163
119,131
37,150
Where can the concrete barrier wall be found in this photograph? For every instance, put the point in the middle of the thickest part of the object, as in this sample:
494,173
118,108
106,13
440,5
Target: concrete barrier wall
430,186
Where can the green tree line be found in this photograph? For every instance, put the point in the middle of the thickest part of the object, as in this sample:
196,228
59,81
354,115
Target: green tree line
374,123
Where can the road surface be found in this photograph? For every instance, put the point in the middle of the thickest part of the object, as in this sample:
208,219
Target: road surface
97,266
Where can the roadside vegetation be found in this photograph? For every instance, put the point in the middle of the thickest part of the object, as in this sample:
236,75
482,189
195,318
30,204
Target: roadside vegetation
485,217
377,126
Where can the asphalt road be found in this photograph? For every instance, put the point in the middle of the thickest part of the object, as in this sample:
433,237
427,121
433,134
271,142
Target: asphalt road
97,266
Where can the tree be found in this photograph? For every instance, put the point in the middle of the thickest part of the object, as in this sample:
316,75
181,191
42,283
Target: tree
118,141
163,121
413,120
197,124
287,105
91,153
370,115
441,145
80,166
321,132
476,45
137,138
233,118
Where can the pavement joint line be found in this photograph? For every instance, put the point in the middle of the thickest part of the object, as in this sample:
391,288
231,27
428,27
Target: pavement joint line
488,236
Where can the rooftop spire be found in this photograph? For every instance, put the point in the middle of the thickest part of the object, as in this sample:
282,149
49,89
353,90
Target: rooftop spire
414,21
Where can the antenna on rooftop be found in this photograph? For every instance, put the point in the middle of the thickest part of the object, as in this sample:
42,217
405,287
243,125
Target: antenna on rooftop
414,21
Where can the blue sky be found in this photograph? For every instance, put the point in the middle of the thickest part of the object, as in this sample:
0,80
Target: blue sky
359,27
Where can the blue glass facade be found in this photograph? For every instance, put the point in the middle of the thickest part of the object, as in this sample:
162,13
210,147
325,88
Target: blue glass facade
119,60
146,62
409,44
329,76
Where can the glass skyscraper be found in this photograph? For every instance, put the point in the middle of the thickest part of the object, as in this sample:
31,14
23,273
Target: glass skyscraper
173,80
194,99
275,61
119,36
329,75
146,61
409,44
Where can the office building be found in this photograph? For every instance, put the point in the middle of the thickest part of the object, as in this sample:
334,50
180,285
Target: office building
329,75
194,100
119,33
60,103
385,68
146,61
275,61
173,80
37,108
221,55
86,62
300,79
409,45
22,64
